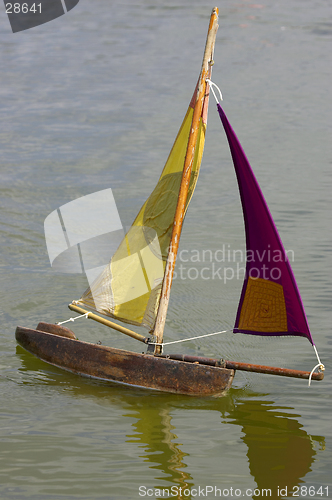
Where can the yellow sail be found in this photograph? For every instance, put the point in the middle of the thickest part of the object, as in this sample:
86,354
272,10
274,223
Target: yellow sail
129,287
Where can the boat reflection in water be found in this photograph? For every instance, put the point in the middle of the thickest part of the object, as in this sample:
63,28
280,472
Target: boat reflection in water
280,453
178,437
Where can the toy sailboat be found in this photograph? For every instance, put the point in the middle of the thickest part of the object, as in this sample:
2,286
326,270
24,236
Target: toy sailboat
135,285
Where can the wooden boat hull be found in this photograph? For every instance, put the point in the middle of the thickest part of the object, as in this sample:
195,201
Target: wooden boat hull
125,367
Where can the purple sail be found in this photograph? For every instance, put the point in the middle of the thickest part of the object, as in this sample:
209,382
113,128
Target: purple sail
270,302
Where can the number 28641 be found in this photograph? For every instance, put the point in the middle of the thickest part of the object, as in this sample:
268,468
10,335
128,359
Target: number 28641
17,8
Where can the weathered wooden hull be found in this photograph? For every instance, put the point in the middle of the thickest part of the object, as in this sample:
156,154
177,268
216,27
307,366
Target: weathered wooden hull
125,367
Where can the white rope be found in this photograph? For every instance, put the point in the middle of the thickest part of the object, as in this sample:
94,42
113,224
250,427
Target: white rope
213,92
191,338
320,366
86,315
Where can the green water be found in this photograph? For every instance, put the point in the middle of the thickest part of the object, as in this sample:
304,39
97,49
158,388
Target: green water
94,100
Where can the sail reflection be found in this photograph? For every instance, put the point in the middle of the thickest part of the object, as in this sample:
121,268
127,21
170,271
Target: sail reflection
155,434
280,452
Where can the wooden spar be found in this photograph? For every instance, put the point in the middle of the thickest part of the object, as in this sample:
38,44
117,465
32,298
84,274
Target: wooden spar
106,322
269,370
285,372
188,163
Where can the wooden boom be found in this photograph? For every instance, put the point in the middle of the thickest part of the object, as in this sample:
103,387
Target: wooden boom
106,322
284,372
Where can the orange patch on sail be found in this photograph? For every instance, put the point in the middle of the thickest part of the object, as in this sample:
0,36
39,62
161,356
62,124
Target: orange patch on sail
263,308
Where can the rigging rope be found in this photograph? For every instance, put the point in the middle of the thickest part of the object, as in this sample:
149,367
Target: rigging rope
213,92
86,315
319,365
191,338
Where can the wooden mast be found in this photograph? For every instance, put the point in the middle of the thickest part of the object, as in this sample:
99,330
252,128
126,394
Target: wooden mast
188,163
